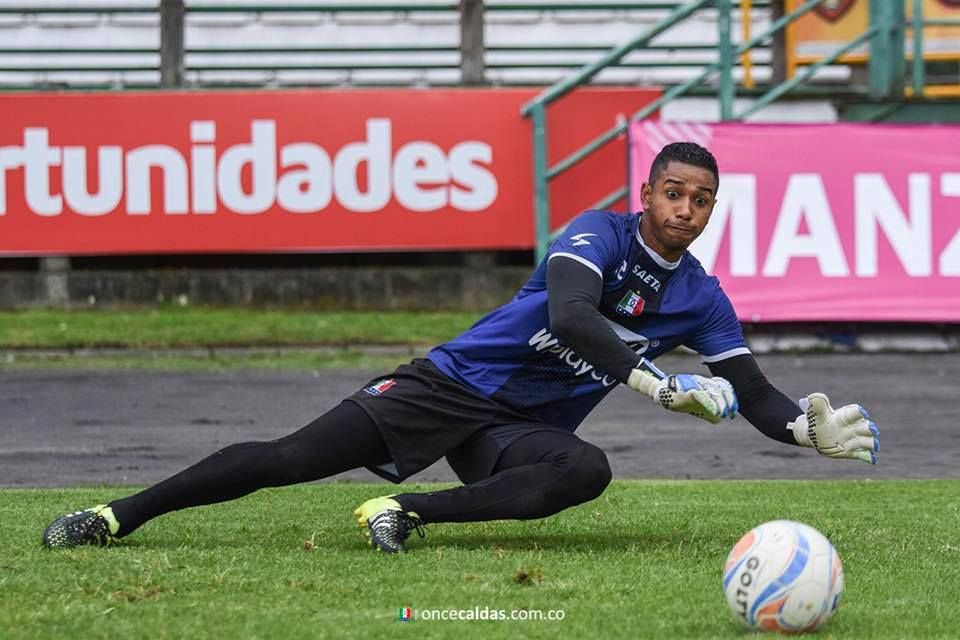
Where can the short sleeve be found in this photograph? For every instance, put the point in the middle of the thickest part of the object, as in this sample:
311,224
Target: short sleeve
593,239
720,336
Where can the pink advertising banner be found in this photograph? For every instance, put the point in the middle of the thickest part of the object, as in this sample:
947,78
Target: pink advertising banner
826,222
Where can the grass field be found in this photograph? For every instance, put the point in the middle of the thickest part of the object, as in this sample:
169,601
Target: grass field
209,326
642,561
202,338
214,360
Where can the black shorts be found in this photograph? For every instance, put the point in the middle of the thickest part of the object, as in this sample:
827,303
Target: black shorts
423,415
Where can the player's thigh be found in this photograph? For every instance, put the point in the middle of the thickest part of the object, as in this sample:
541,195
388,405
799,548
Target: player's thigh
501,447
559,447
567,469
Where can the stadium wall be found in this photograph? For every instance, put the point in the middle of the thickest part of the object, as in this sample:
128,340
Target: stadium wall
340,288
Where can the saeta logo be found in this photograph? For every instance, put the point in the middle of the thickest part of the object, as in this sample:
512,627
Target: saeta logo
307,178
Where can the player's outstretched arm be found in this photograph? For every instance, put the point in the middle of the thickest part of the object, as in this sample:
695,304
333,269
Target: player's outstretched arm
843,433
573,297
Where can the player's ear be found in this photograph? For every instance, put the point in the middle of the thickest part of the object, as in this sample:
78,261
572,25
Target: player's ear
646,195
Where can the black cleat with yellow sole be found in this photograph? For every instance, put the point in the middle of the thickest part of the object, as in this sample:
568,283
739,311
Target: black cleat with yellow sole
95,526
388,526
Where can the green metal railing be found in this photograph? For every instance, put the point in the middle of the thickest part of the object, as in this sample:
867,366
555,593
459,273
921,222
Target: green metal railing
918,75
882,36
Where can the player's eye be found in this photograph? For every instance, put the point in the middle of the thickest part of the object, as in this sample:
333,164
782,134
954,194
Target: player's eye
701,201
672,194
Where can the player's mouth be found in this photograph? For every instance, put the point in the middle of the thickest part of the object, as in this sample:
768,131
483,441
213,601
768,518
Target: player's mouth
681,230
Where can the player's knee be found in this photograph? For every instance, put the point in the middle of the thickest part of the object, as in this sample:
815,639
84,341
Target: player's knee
593,471
588,475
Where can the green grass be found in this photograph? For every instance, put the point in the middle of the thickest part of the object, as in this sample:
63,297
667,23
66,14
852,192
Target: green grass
644,560
199,326
210,330
215,361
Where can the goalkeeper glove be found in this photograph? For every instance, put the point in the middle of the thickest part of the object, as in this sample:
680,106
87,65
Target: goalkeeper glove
846,432
712,399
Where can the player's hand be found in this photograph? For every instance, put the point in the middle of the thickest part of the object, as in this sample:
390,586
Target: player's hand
712,399
846,432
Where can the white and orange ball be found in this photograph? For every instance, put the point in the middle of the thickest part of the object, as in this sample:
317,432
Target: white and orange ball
783,576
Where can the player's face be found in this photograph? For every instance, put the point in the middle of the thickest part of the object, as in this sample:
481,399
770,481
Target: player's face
676,208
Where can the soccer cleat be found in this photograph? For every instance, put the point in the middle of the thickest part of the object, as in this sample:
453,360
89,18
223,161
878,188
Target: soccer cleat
95,526
388,527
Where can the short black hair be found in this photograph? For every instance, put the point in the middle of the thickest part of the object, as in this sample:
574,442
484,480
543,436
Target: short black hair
687,153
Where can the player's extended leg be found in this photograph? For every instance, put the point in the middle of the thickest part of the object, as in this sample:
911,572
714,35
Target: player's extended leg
537,475
344,438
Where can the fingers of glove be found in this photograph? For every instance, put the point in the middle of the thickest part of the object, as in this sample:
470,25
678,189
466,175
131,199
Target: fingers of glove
720,400
721,382
731,400
722,394
865,431
864,443
849,415
866,456
723,399
726,401
711,411
854,452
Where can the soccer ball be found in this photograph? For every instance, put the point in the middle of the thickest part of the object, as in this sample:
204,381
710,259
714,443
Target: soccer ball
783,576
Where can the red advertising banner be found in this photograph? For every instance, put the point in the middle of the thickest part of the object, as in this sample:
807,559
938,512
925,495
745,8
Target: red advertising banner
827,222
289,170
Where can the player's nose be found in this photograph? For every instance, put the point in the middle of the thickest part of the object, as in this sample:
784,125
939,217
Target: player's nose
683,211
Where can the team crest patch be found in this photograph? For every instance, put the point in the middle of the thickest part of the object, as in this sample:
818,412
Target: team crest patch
631,304
380,388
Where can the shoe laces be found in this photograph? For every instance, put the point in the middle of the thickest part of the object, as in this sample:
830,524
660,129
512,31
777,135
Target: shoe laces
414,523
97,526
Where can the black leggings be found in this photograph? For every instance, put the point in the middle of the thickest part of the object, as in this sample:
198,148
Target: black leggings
539,474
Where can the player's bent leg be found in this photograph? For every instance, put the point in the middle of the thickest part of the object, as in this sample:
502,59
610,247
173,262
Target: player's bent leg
344,438
538,475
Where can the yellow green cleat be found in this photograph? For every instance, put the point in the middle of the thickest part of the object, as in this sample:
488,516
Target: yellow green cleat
95,526
387,526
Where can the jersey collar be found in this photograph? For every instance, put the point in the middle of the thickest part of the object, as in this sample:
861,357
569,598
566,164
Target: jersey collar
656,257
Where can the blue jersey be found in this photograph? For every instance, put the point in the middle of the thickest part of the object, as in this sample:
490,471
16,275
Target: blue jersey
653,305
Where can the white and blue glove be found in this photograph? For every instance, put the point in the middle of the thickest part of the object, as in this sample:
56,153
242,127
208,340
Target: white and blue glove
712,399
846,432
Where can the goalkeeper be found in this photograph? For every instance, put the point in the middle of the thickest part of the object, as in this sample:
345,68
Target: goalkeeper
503,400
